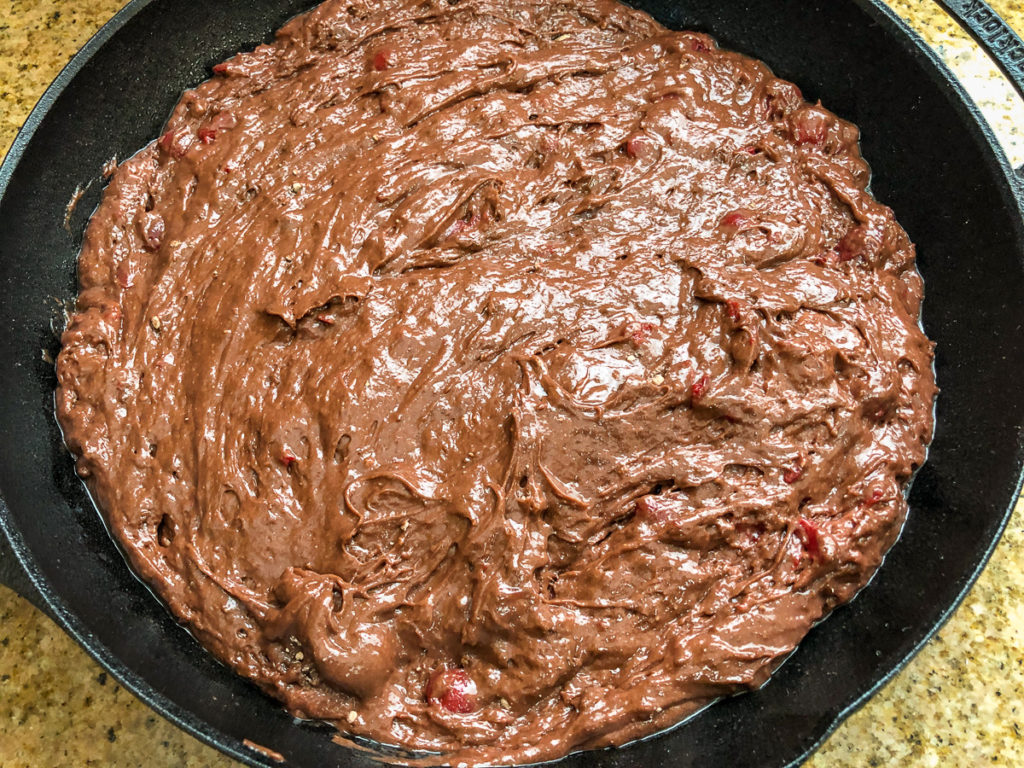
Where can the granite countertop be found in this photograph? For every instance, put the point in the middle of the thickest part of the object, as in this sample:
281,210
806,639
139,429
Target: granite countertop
959,702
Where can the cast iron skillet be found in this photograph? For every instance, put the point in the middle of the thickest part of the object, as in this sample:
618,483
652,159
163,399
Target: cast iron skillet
935,162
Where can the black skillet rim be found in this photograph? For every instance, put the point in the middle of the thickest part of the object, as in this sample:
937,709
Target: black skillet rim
1013,192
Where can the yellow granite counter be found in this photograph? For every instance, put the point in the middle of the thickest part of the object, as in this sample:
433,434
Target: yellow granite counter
958,703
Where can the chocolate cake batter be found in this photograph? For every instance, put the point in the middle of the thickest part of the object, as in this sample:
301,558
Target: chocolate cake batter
498,378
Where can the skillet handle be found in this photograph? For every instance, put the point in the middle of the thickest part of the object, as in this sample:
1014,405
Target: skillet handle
993,34
13,576
998,39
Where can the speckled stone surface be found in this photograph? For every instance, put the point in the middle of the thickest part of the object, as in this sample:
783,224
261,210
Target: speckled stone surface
960,702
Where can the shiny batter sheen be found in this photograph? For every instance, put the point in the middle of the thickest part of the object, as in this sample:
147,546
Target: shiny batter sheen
498,378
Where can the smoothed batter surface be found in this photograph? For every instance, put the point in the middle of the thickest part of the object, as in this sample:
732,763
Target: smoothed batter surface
498,378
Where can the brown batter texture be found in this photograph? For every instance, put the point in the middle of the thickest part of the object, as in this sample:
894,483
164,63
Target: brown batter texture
498,378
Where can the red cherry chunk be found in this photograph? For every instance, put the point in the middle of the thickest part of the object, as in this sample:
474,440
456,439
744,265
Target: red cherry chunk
732,309
639,333
153,233
810,126
287,457
637,144
699,388
874,497
220,122
176,143
812,540
795,471
697,43
465,224
166,141
384,59
652,508
125,277
736,221
851,245
220,69
825,259
452,689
